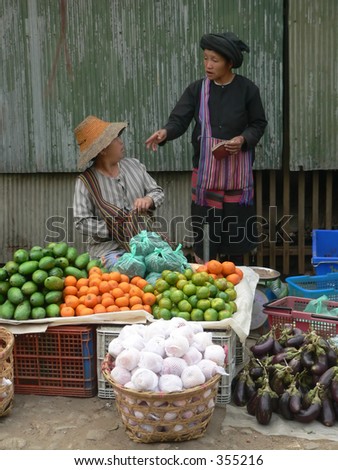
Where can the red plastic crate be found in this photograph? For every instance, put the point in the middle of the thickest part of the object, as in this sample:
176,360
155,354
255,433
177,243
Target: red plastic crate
60,361
291,310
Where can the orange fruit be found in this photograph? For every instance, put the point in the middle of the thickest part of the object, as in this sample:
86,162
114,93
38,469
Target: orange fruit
202,269
147,308
124,278
125,286
134,300
62,305
122,301
83,281
228,267
99,308
72,301
148,298
122,309
70,281
90,300
137,307
107,301
115,276
85,311
69,290
214,266
93,290
134,280
117,292
234,278
104,287
67,312
83,290
112,308
94,281
134,290
79,308
95,269
141,283
105,277
239,272
112,284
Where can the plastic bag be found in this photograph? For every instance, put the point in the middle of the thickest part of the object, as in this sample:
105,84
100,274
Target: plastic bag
164,258
131,264
146,242
320,307
152,277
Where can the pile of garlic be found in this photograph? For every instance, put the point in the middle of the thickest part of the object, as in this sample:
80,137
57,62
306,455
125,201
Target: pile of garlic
165,356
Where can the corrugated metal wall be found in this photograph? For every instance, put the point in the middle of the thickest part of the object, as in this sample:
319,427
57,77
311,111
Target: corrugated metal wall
313,68
122,60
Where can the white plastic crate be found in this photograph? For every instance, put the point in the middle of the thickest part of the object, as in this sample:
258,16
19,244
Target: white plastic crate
228,337
241,354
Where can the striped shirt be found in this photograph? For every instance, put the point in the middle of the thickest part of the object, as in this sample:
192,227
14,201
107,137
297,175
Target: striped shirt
133,182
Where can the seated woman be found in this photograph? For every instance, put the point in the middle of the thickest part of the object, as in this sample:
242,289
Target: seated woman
113,195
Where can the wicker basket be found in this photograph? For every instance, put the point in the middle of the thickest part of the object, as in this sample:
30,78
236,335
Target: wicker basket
162,417
6,371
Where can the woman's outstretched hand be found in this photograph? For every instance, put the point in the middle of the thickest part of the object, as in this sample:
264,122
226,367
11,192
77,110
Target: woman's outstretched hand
155,139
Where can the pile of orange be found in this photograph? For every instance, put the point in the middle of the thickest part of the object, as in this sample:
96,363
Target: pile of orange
227,270
104,292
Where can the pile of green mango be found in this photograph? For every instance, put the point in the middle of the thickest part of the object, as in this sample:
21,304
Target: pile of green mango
31,283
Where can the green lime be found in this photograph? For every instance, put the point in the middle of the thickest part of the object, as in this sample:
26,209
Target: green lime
189,289
210,314
223,295
166,294
148,288
213,290
29,287
184,306
231,293
221,283
197,314
188,272
224,314
218,304
185,315
17,280
181,277
203,304
174,311
3,274
181,283
20,256
193,299
37,299
199,279
165,273
176,296
202,292
171,278
155,311
53,310
161,285
233,305
230,285
164,313
165,303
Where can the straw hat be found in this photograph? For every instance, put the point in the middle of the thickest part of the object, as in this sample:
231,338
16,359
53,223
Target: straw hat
94,135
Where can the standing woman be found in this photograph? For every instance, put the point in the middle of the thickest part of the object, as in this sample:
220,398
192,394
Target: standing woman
225,107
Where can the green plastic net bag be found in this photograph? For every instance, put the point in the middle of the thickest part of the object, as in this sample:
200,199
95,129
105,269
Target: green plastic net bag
165,258
320,307
131,264
146,242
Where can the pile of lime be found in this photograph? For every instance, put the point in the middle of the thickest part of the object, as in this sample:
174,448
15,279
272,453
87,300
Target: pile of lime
193,296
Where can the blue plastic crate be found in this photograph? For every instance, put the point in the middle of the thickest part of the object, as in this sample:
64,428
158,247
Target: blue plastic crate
312,287
325,251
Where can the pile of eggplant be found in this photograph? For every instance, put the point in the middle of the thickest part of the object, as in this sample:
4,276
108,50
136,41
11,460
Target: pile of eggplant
291,373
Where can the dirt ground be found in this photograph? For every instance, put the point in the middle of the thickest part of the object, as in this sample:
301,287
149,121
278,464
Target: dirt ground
63,423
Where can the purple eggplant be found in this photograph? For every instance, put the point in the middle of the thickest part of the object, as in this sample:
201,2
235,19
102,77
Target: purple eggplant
334,388
326,378
263,411
239,397
332,357
335,408
327,414
308,415
295,403
262,349
251,405
277,347
297,331
320,365
256,372
284,405
307,358
295,365
249,387
295,341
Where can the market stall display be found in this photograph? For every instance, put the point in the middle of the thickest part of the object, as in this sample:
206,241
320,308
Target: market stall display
165,386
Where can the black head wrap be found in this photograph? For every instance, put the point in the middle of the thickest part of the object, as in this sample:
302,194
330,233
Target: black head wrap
227,44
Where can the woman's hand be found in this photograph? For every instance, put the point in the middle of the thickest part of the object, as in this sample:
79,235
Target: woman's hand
142,204
234,145
155,139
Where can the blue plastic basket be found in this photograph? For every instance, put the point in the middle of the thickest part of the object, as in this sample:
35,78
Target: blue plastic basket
325,251
312,287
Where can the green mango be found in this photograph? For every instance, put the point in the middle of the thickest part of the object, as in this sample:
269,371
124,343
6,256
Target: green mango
23,311
7,310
